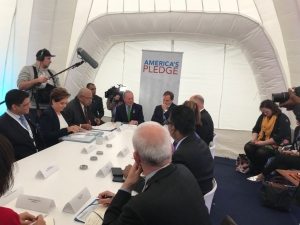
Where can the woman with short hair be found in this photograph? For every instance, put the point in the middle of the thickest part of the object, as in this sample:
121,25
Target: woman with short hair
52,123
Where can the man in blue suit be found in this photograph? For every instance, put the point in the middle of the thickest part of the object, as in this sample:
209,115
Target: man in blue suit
20,131
129,112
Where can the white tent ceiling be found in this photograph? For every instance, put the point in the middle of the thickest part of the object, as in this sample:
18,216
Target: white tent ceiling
104,32
266,32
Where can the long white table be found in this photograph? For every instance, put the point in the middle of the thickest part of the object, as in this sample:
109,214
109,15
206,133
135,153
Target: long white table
69,180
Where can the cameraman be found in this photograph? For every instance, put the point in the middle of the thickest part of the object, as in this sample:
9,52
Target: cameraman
293,103
36,77
112,102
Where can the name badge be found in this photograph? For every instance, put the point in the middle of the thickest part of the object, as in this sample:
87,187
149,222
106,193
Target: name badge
77,201
104,170
35,203
88,149
109,136
11,195
123,152
47,171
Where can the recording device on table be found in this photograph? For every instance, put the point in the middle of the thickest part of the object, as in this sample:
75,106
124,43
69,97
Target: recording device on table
117,173
284,96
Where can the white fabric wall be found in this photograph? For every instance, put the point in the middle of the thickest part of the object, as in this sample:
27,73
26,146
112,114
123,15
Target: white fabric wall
27,25
216,71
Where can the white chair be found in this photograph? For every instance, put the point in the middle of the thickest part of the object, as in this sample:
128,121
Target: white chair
208,197
212,148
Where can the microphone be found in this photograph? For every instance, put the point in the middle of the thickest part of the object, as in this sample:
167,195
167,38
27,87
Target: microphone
87,58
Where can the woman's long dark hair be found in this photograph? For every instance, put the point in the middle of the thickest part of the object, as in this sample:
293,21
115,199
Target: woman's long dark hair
270,105
7,160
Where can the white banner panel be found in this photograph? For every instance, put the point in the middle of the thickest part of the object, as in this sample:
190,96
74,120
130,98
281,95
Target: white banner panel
160,72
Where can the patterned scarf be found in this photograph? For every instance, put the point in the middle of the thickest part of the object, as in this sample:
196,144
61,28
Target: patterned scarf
267,126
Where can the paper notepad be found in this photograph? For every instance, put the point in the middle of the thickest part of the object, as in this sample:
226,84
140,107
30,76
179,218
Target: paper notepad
91,214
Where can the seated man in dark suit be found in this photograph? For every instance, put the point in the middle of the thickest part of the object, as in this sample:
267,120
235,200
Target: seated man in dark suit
207,129
171,194
129,112
20,131
190,150
97,104
161,112
78,111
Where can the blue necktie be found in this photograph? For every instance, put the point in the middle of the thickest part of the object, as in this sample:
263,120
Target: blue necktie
23,121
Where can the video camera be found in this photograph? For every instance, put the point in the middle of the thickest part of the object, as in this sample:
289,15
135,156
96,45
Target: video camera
113,91
284,96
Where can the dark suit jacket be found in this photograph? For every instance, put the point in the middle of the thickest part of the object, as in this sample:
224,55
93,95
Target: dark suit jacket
136,113
19,137
206,131
50,127
195,155
97,107
158,114
74,114
172,197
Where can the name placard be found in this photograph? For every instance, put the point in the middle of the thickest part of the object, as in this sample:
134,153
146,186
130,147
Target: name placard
88,149
35,203
11,195
109,136
47,171
123,152
100,140
77,201
104,170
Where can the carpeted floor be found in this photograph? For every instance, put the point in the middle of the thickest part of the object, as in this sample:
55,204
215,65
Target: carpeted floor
239,198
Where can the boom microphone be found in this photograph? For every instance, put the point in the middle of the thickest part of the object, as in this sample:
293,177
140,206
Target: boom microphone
87,58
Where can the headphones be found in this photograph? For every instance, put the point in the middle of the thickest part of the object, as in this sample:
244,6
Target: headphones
41,56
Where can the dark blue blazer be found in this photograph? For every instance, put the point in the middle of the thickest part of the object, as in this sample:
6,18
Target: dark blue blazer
172,196
97,107
19,137
50,128
158,114
194,153
206,130
136,113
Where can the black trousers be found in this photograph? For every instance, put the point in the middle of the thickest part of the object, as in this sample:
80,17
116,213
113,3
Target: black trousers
282,161
258,156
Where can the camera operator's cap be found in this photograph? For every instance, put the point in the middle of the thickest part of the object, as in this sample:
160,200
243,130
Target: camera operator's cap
44,53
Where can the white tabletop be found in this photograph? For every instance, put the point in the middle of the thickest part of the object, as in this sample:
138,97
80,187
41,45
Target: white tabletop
69,180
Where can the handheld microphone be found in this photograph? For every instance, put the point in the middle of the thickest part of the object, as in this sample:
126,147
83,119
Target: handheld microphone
87,58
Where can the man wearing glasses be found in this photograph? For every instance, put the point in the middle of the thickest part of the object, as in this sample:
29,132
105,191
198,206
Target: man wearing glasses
78,111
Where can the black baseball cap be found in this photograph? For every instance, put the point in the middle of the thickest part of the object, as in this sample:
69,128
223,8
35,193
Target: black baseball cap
44,53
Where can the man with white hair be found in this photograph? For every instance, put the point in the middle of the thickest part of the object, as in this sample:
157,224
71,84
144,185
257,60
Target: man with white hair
207,129
78,111
129,112
167,189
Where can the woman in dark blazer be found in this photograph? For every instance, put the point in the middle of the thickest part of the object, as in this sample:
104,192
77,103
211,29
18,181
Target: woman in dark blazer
272,129
52,123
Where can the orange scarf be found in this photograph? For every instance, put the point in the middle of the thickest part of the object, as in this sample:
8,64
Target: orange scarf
267,126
